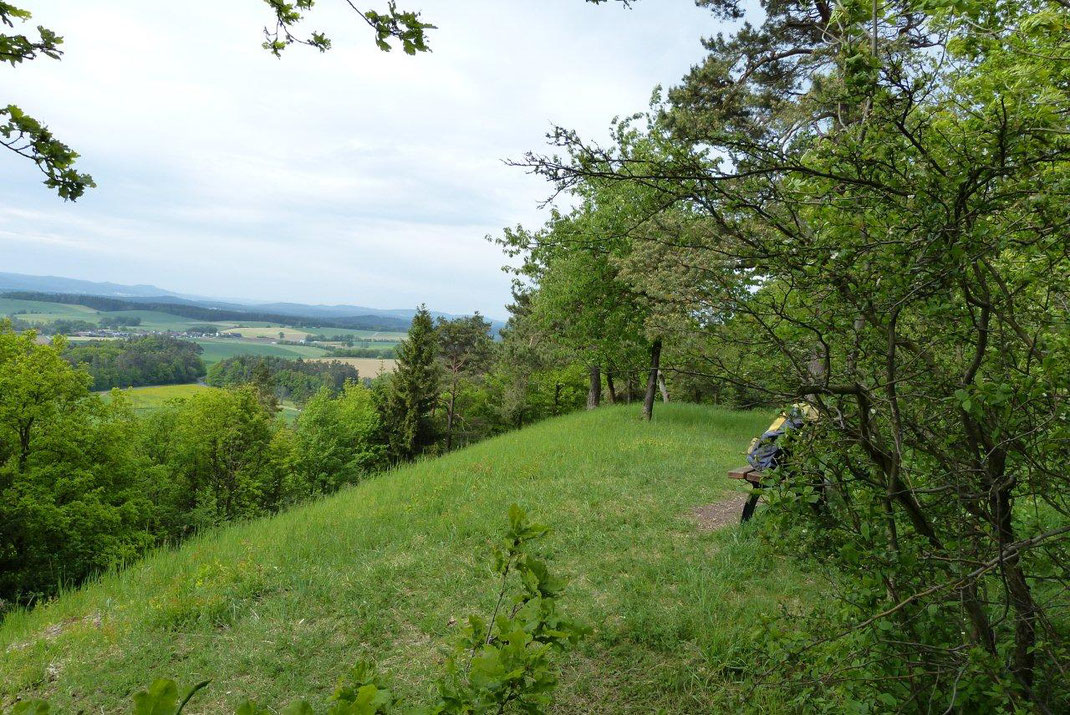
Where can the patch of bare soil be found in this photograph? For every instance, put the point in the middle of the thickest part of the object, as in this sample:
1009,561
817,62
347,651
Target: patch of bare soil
719,514
55,630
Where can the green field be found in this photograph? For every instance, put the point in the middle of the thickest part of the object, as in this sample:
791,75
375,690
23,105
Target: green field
281,607
246,331
37,311
155,320
146,399
372,335
216,349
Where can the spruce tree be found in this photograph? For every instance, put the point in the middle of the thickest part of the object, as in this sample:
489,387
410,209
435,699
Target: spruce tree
413,390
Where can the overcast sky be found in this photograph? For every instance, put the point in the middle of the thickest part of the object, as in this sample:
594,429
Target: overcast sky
352,177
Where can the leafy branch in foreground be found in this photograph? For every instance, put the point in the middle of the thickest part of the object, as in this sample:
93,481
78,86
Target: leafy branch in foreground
403,26
497,665
25,135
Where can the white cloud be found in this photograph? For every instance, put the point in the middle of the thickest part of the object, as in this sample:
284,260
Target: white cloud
355,176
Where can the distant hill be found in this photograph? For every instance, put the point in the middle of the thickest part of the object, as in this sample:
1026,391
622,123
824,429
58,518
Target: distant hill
210,313
56,284
395,317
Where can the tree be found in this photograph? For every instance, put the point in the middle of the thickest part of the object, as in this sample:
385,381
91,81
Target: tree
412,390
71,486
37,387
220,460
578,296
876,191
465,350
335,439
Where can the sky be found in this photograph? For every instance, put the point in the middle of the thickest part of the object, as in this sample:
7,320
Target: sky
355,176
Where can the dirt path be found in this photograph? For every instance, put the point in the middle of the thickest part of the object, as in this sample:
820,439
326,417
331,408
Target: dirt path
720,514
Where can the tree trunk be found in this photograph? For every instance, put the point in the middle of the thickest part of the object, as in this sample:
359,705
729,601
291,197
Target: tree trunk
652,379
24,445
663,387
449,418
594,392
1023,660
611,388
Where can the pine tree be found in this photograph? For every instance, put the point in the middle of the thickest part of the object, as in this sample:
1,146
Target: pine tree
413,390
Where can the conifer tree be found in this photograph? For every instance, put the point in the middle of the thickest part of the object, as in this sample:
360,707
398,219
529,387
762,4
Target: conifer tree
413,390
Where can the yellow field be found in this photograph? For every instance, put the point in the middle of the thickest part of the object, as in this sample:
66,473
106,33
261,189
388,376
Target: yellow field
273,333
367,367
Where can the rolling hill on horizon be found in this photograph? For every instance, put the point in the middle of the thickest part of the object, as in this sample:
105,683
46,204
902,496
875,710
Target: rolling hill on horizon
19,282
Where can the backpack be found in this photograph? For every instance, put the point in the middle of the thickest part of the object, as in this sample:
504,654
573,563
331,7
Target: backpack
767,452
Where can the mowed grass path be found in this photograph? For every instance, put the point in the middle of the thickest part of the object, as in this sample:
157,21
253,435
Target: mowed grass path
280,607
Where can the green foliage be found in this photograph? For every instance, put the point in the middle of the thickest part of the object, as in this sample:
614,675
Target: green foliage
31,139
507,661
392,24
504,663
290,379
465,350
71,499
411,392
120,321
861,206
336,440
148,360
25,135
216,458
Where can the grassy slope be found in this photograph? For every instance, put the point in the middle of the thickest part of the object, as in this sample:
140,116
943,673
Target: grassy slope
279,607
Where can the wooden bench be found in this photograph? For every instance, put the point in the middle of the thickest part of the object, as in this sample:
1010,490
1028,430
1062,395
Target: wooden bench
754,477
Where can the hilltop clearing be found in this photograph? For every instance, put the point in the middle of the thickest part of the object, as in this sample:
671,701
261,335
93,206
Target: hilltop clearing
280,607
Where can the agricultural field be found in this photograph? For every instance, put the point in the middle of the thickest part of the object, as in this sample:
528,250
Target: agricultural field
216,349
147,399
367,367
152,320
272,332
37,311
374,335
281,607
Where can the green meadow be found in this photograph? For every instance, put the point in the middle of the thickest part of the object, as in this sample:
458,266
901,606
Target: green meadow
216,349
280,607
37,311
147,399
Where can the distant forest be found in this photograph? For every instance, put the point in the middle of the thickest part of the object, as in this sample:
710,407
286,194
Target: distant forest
149,360
296,380
199,312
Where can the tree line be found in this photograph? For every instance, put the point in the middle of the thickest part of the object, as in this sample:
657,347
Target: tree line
87,484
859,206
134,362
288,379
